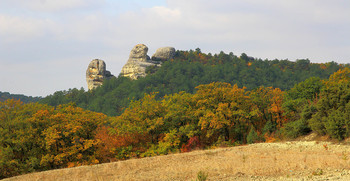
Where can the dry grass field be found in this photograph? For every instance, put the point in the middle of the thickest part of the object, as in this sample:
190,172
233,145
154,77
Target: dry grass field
295,160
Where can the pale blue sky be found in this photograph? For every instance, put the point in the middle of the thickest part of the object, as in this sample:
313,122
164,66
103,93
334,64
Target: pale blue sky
46,45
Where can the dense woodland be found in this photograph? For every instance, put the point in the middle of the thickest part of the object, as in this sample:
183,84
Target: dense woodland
190,69
26,99
196,101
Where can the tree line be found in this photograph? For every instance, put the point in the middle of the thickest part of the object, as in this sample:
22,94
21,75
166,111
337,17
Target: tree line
26,99
37,137
188,70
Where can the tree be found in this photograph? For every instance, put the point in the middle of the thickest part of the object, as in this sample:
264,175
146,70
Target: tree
36,137
332,108
144,116
220,107
267,106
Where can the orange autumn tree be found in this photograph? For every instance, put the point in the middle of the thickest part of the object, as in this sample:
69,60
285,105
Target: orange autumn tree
36,137
67,135
221,108
276,107
267,106
114,147
266,113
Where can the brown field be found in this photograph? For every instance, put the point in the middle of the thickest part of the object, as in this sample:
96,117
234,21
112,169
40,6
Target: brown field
295,160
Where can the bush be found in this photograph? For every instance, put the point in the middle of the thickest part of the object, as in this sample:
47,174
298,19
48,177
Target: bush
253,136
335,125
170,143
270,127
317,124
123,153
202,176
191,144
296,128
221,142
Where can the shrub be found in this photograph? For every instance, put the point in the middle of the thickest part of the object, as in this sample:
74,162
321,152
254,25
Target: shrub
317,124
170,143
270,127
123,153
335,125
253,136
202,176
192,143
296,128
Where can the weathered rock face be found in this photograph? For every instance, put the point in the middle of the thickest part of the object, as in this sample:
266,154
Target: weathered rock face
96,73
139,53
164,53
139,60
137,63
135,67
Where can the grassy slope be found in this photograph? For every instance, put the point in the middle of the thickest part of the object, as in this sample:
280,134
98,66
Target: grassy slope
264,161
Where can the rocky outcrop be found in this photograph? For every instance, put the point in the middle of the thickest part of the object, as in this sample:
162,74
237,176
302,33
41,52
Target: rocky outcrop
138,62
139,53
96,73
134,68
163,54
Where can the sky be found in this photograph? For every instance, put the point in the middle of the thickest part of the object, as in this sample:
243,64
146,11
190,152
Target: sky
46,45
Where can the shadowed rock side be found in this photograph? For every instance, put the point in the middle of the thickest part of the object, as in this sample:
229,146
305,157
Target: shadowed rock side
96,73
139,60
163,54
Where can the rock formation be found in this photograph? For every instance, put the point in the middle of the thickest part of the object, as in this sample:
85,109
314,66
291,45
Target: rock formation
163,54
139,60
134,68
96,73
137,63
139,53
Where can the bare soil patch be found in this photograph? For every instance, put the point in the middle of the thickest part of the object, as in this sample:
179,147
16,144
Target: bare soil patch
295,160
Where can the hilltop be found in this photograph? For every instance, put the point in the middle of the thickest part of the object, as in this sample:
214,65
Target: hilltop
184,72
6,95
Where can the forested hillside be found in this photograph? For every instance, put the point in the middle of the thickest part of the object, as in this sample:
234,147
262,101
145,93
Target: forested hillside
36,137
26,99
190,69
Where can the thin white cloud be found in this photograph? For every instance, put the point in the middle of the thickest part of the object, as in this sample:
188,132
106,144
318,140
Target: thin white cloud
50,5
166,14
19,29
51,34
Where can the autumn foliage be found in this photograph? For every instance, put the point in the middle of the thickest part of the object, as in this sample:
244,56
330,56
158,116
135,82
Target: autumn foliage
36,137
